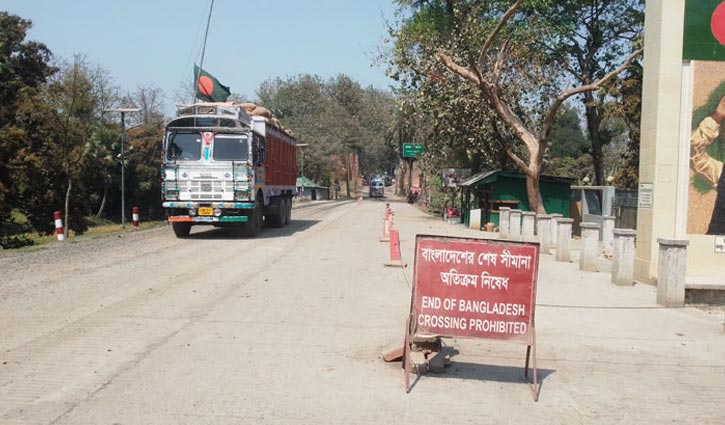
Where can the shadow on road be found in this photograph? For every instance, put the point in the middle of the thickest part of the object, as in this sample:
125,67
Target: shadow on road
231,233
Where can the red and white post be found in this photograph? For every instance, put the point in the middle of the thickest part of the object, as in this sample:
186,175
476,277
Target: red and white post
58,226
395,260
135,217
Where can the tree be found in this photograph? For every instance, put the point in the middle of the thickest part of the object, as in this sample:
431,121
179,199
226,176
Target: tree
24,67
337,119
602,33
503,49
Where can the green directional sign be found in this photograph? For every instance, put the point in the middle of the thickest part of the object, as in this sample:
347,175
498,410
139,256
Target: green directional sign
412,150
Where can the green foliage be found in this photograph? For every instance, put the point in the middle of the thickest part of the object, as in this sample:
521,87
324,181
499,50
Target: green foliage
335,118
567,139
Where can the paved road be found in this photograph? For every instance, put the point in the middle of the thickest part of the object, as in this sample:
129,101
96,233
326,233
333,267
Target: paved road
288,329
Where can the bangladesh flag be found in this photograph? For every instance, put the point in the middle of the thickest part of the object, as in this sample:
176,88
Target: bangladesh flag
704,30
208,88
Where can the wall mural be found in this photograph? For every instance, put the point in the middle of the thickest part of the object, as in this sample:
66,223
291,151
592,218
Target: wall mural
706,198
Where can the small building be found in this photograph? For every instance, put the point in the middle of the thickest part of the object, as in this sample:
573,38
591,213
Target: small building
307,190
491,190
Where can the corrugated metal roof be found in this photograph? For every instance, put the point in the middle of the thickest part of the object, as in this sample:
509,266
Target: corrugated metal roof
491,176
304,181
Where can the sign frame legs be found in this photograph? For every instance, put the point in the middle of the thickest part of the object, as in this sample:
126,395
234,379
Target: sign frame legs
531,354
406,356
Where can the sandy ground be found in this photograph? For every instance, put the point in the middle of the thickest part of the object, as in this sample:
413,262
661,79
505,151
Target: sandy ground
288,329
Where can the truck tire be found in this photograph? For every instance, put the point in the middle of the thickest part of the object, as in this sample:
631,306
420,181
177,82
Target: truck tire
275,218
283,211
288,211
256,219
181,230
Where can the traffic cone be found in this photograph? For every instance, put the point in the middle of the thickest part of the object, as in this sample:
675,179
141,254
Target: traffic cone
387,225
395,251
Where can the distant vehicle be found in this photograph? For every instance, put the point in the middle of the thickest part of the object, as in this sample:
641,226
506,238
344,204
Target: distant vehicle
377,188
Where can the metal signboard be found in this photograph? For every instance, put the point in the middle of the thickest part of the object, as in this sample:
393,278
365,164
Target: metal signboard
645,195
474,288
412,150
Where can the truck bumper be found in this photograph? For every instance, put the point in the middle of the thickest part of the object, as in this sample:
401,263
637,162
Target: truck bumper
222,205
208,220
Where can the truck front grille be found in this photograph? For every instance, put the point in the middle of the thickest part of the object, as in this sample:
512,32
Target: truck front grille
212,190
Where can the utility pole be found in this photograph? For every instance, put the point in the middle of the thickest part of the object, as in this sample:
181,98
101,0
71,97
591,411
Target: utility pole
123,159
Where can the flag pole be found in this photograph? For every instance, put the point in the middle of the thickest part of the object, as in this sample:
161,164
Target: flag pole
203,51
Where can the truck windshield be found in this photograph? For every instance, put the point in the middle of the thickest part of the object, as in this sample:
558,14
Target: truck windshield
229,147
184,147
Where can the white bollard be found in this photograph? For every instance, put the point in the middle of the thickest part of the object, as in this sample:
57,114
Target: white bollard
58,226
608,234
515,228
589,252
527,226
543,224
554,230
671,272
504,222
563,239
623,261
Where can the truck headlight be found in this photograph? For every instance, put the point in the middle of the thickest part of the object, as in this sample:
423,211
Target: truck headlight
172,194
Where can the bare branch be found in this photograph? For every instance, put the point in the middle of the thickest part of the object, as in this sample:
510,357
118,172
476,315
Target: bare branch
489,41
518,161
458,69
551,115
498,66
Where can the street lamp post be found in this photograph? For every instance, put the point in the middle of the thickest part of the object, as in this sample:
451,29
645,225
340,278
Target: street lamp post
123,112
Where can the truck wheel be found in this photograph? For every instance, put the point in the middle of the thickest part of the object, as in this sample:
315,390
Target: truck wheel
181,230
275,218
256,217
283,211
288,211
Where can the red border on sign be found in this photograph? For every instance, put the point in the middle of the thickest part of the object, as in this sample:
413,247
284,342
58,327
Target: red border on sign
474,288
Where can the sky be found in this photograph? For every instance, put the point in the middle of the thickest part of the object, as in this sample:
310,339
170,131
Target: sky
156,42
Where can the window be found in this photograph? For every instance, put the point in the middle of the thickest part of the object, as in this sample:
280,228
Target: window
231,147
184,147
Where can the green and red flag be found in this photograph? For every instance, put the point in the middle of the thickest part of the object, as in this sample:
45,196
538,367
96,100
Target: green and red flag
208,88
704,37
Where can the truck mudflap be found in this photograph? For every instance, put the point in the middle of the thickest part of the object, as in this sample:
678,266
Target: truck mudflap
222,219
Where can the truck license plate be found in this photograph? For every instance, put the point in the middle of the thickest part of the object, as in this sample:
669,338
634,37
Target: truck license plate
206,211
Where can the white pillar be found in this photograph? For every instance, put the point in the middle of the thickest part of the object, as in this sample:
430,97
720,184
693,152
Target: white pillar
589,252
554,230
543,226
671,272
504,222
515,229
527,226
608,234
563,239
623,261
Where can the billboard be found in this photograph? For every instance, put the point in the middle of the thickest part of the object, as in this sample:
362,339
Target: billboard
706,193
704,30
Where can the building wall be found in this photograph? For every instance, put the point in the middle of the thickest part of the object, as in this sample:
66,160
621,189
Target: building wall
664,150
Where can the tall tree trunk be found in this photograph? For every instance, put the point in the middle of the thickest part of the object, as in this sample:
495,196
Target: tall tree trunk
67,204
533,193
594,121
106,186
347,174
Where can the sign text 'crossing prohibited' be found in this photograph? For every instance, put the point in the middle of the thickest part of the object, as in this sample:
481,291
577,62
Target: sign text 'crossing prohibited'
474,288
